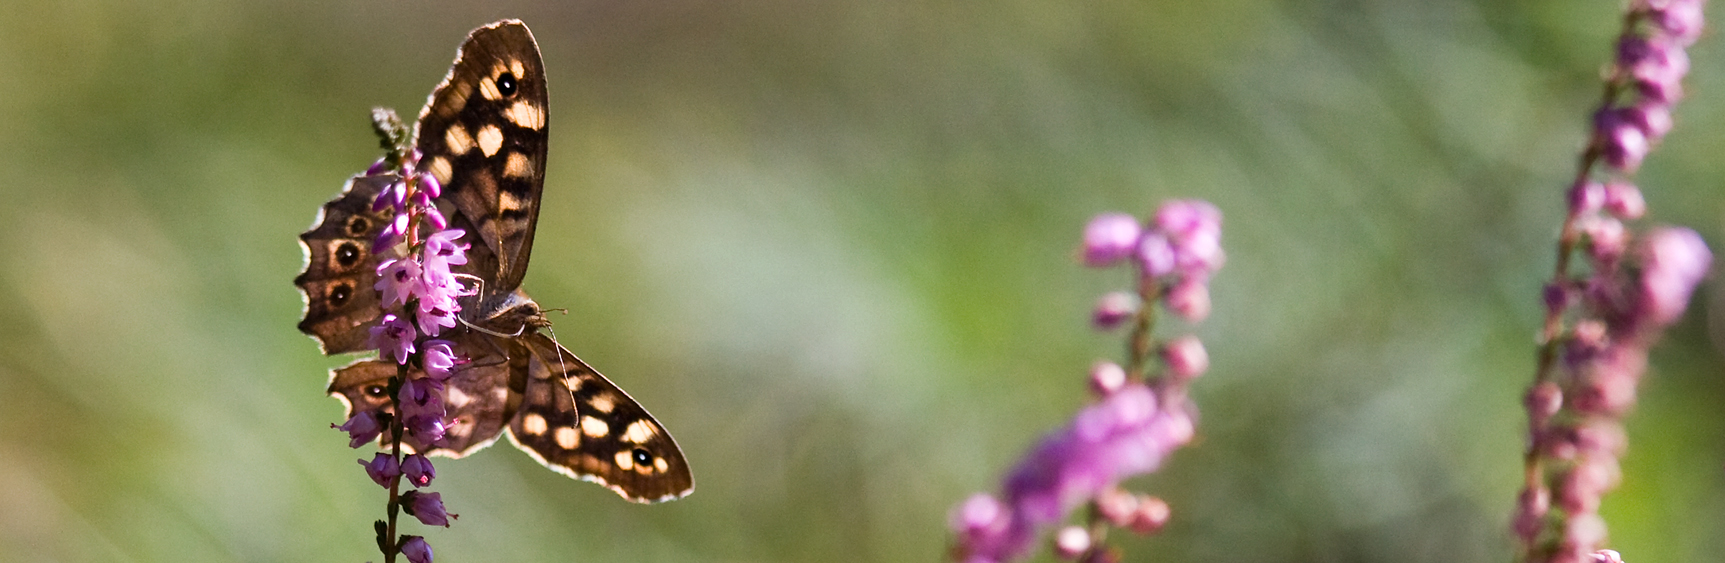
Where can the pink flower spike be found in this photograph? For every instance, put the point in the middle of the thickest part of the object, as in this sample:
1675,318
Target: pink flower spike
1110,238
415,549
382,469
393,338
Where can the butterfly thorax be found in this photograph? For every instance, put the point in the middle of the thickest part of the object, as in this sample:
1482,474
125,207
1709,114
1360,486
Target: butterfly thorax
512,313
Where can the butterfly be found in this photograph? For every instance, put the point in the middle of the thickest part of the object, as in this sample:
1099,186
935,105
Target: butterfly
482,134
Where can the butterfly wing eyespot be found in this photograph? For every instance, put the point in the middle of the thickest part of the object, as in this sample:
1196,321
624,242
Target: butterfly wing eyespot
506,84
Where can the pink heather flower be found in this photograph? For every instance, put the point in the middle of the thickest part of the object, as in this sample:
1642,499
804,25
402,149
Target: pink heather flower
441,248
362,429
429,185
1583,533
1606,556
393,337
415,549
1071,542
1673,261
1678,20
435,217
397,281
438,359
1106,378
1183,218
1124,434
1543,401
1186,358
391,235
1623,144
382,469
1606,237
1530,510
427,507
1652,118
1585,483
1114,308
422,395
393,196
1624,200
1110,238
1152,514
1189,299
424,431
434,315
1118,507
1156,255
1199,253
1657,65
418,470
1585,197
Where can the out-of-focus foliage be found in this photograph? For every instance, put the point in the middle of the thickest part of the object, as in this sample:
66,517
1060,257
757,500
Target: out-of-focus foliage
831,245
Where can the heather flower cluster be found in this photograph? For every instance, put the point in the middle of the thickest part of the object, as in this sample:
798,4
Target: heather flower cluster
1140,415
419,295
1601,320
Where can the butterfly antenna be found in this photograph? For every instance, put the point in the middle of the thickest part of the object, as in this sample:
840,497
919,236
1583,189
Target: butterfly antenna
560,365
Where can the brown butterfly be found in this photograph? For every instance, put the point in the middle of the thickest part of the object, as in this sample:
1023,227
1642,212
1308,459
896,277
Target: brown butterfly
483,135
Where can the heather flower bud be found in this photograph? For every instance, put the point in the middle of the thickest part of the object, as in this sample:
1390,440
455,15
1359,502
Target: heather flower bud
378,167
1654,118
1673,261
1106,378
1542,401
416,550
362,429
1155,255
1607,556
1114,308
382,469
1624,200
1678,20
1071,542
438,359
1186,217
418,470
427,507
1530,510
1151,516
1109,238
424,431
429,185
1118,507
1189,299
1186,358
1586,197
1622,144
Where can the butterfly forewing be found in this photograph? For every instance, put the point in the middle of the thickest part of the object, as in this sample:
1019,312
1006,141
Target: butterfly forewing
483,135
575,421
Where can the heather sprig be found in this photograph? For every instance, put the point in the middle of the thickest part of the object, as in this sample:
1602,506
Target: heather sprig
1602,318
1140,415
419,300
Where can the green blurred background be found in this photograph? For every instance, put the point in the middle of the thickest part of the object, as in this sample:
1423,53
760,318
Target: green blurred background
831,245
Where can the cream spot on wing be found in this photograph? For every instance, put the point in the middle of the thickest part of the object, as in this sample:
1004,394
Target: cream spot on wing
457,95
488,89
455,397
490,139
594,428
515,67
439,167
659,464
533,424
639,432
525,114
625,460
507,201
458,140
567,438
602,403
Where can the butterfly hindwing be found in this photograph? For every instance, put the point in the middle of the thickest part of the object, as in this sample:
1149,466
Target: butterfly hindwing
483,135
575,421
477,394
341,304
